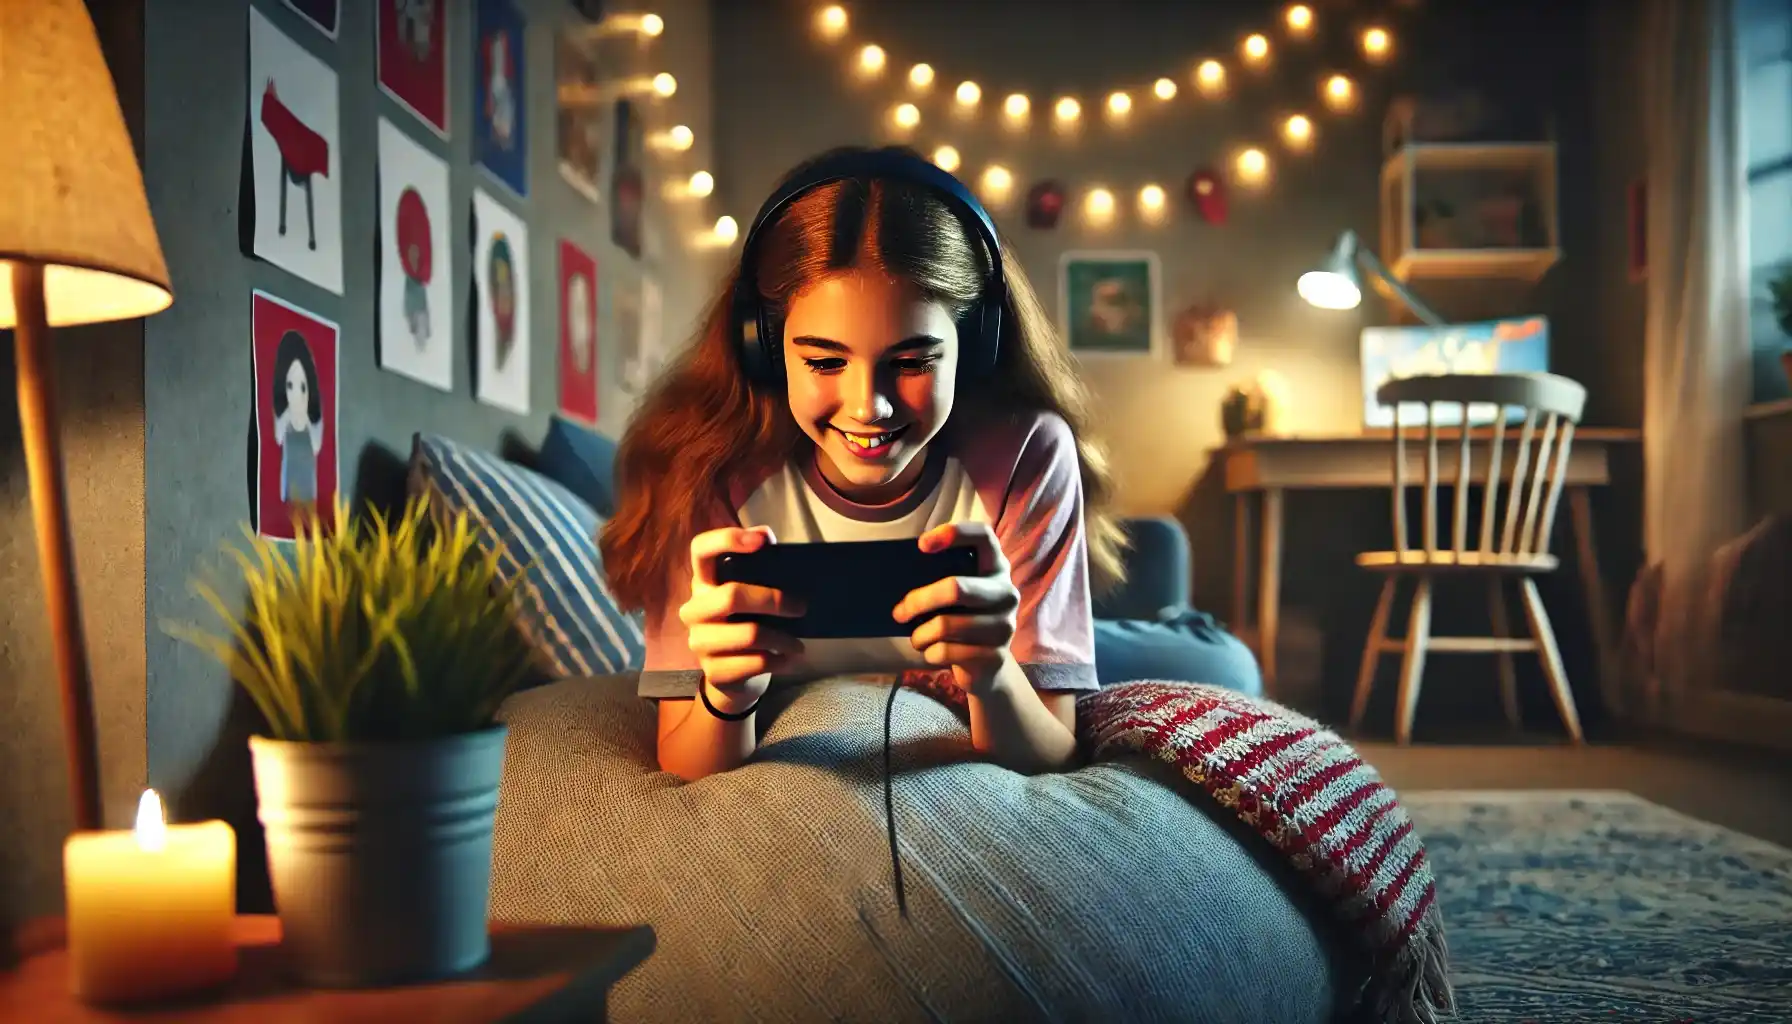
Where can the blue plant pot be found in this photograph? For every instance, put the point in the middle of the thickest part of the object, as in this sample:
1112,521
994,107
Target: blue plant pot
380,855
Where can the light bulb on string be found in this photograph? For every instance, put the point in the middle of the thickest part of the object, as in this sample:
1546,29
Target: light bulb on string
871,60
726,230
1098,205
1152,201
1210,77
997,182
946,159
701,184
652,25
1016,107
968,94
1252,166
1256,48
1340,93
1067,110
1377,44
664,85
1298,131
831,21
1299,19
675,139
1119,105
921,76
1164,89
906,115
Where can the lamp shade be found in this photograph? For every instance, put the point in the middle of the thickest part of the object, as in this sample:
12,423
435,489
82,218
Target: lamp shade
71,194
1334,284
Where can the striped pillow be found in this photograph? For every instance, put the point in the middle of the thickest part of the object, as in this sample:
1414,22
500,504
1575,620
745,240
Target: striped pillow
566,610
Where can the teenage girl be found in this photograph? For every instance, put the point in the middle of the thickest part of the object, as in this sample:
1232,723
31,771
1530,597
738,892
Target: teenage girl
876,367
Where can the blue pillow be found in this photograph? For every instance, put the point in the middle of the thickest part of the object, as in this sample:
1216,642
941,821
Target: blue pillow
1185,646
581,460
566,610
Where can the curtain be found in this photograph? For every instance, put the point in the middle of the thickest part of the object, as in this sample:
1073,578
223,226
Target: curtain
1696,346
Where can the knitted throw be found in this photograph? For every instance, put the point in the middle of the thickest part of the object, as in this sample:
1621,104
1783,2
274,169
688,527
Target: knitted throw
1305,791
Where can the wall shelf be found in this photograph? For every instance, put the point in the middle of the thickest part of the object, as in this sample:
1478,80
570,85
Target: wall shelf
1470,210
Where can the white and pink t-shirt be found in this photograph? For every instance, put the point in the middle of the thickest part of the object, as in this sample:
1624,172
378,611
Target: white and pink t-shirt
1021,478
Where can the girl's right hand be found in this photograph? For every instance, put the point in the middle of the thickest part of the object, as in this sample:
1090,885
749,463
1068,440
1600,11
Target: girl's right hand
736,657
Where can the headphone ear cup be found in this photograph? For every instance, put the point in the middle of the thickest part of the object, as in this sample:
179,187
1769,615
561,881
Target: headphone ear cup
747,328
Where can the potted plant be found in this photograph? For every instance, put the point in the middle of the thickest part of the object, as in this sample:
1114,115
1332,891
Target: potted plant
378,654
1780,288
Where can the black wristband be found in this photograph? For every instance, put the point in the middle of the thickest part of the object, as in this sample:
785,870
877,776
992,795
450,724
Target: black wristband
703,695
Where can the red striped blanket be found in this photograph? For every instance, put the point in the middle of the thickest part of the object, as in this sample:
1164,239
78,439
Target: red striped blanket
1305,791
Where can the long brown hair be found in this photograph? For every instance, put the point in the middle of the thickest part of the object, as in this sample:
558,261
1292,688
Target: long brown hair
703,424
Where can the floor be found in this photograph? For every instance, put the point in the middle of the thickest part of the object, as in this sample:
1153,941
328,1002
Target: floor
1747,790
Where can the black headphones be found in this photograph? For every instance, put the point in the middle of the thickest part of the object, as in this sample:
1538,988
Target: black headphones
761,336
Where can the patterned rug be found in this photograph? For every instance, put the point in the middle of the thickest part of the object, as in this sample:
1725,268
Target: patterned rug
1601,906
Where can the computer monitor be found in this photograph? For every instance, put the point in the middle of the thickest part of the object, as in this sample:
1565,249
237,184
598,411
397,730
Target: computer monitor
1517,345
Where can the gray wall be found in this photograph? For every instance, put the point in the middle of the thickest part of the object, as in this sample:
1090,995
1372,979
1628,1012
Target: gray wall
1161,421
157,413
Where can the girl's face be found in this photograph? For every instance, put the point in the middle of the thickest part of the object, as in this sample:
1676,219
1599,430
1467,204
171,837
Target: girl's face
298,397
870,366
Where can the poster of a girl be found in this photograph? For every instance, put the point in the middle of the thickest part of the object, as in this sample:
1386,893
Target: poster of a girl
298,426
909,386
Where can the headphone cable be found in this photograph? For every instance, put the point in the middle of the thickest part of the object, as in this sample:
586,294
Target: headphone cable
890,804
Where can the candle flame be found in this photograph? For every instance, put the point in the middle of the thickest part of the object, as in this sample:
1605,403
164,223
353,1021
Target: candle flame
152,826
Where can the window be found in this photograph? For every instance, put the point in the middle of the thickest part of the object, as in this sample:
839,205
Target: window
1765,34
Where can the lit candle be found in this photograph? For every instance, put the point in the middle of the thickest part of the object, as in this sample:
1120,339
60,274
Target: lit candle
150,911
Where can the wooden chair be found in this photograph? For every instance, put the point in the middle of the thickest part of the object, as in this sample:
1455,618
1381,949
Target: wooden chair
1517,514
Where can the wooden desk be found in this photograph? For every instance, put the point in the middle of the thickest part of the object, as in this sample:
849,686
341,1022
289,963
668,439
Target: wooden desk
1268,467
537,974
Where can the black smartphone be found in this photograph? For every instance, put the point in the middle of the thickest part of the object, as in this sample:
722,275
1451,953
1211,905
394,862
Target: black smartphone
849,588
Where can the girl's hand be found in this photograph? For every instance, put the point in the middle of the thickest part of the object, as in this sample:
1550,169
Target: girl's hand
975,614
736,657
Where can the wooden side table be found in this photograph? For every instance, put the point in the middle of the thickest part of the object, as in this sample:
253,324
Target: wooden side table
537,974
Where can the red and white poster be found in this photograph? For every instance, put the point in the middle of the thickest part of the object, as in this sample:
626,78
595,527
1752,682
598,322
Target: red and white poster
294,355
578,333
413,59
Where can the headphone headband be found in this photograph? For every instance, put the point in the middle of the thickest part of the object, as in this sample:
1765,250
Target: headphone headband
979,329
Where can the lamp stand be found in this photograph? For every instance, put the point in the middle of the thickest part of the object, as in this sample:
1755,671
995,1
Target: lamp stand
39,427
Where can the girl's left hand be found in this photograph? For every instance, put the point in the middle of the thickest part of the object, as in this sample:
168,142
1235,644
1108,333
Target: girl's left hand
976,616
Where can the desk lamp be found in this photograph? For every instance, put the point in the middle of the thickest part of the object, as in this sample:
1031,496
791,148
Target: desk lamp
77,246
1335,283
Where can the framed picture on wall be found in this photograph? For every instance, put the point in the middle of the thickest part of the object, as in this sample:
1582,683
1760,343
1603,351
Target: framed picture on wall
579,137
1110,303
628,187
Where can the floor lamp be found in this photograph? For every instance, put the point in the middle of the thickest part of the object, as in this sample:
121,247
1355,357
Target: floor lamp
77,246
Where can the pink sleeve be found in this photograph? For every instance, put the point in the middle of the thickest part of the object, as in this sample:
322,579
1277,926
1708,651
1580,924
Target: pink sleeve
1030,480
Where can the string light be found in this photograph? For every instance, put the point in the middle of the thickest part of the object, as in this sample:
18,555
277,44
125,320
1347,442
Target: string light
1211,77
1300,19
921,76
946,159
1340,94
906,115
968,94
831,21
702,183
1016,106
652,25
1377,43
1164,88
726,230
871,59
997,180
1256,48
1253,166
1298,130
1067,109
1151,198
664,85
1119,104
1099,204
680,137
